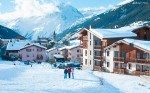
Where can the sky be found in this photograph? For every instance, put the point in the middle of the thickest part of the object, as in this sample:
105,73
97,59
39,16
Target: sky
9,5
13,9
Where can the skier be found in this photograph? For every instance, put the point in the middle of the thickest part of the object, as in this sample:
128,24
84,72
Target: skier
69,72
72,70
65,73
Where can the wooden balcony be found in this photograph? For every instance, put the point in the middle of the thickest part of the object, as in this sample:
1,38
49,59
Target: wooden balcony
142,61
85,38
121,59
98,58
97,68
138,73
119,71
99,47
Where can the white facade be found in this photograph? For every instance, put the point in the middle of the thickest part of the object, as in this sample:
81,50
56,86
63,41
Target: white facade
109,58
85,59
74,54
52,52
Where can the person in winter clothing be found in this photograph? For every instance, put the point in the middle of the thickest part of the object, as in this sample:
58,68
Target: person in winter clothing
69,72
65,73
72,70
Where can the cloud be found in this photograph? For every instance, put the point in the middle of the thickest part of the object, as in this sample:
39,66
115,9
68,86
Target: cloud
0,4
29,8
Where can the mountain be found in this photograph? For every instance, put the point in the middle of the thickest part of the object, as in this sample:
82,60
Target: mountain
92,11
6,33
135,12
45,25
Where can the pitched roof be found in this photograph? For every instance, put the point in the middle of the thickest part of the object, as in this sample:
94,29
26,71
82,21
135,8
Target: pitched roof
114,33
58,56
69,47
17,44
140,44
33,44
51,49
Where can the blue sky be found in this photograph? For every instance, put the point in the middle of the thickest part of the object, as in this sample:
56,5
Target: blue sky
9,5
93,3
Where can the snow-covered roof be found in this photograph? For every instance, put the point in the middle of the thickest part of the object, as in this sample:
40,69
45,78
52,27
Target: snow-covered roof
68,47
58,56
140,44
34,44
51,49
17,44
114,33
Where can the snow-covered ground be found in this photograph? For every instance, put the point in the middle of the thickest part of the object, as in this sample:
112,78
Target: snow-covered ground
42,78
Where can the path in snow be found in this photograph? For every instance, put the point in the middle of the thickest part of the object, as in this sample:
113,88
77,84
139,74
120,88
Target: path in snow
43,79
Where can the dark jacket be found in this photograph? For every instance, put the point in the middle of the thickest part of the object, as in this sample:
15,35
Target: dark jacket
65,71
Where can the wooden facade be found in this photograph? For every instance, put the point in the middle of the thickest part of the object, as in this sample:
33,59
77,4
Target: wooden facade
143,33
129,54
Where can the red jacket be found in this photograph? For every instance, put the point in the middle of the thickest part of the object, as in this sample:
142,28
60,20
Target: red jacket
69,70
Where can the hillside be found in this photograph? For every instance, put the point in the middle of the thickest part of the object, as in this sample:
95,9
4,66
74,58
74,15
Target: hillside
135,11
6,33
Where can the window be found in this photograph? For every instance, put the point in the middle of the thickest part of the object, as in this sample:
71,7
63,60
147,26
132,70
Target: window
85,52
146,55
97,43
77,55
33,55
116,54
137,67
107,53
130,65
116,65
39,50
27,55
90,52
97,63
108,64
90,62
138,55
39,56
28,50
97,53
85,61
90,42
78,50
123,66
90,35
146,68
124,54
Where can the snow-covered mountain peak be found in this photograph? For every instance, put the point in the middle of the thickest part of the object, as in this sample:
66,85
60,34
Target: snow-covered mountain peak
43,19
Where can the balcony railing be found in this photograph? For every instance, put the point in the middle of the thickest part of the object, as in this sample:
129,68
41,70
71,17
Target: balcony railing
138,73
118,59
98,57
119,71
99,47
144,61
